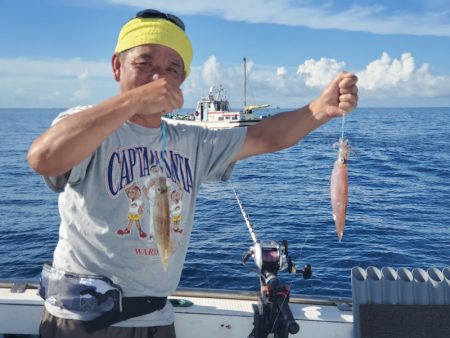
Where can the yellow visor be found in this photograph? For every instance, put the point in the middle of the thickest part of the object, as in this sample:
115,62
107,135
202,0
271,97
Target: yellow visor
142,31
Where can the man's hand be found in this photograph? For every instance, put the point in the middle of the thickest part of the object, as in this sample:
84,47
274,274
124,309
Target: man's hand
157,97
339,98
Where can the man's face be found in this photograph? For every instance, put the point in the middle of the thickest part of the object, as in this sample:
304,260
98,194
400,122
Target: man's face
139,65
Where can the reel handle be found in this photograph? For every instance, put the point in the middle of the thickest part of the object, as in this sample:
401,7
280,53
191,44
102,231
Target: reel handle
307,271
247,256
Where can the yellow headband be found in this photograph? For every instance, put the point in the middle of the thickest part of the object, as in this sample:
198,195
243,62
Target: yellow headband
142,31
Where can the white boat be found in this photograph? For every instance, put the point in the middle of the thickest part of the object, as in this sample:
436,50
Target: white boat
211,314
375,309
213,111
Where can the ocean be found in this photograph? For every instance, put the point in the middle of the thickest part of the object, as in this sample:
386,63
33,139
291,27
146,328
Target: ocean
398,213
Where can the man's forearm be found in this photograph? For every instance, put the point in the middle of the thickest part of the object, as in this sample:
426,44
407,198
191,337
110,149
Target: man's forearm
75,137
281,131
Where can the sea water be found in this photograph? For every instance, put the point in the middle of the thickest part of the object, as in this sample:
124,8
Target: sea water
398,213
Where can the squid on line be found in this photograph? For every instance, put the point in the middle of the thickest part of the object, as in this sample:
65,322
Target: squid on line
339,187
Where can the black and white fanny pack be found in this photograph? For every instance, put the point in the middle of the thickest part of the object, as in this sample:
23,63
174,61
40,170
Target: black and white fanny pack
79,293
93,294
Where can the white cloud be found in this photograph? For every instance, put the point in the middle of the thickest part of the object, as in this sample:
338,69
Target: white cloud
387,72
53,68
320,73
211,71
281,71
84,75
28,82
428,20
19,92
384,81
391,77
80,95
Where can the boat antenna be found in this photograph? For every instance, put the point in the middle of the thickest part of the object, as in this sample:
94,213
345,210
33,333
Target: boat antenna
245,215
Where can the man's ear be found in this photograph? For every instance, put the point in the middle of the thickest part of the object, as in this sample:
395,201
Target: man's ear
116,63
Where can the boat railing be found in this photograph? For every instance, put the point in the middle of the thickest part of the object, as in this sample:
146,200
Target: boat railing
20,285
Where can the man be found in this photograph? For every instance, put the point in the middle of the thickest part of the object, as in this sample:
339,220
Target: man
108,282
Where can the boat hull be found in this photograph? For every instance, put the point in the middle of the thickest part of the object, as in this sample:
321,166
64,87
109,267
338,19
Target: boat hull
215,124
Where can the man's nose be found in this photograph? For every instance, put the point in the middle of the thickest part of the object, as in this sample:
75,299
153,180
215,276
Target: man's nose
158,73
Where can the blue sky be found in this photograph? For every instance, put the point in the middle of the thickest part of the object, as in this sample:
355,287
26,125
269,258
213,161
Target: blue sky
57,53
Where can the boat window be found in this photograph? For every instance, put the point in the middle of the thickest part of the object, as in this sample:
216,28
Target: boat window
220,118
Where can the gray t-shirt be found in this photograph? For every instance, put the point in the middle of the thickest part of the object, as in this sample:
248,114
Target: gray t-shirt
108,205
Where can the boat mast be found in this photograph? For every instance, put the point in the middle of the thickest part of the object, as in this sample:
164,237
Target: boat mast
245,83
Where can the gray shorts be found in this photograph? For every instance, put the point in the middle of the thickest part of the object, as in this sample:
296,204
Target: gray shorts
54,327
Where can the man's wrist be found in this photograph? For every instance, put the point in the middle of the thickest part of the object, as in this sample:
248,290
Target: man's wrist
319,111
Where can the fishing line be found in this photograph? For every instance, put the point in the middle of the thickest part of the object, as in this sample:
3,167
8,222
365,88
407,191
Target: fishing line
342,126
308,231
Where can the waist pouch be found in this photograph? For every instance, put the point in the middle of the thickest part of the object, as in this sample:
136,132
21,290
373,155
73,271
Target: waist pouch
93,294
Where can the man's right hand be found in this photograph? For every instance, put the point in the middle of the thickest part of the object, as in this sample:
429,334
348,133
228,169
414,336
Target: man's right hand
157,97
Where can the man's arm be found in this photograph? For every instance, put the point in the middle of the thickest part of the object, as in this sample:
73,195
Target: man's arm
75,137
286,129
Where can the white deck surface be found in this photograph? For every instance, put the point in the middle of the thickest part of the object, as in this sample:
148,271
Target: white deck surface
209,317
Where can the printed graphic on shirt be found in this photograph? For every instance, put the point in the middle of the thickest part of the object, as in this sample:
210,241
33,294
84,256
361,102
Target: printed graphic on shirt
155,192
127,165
134,212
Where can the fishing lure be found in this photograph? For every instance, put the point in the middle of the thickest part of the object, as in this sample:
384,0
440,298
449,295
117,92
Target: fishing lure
161,210
339,186
161,220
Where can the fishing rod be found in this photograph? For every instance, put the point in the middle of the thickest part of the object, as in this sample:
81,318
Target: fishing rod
272,315
245,215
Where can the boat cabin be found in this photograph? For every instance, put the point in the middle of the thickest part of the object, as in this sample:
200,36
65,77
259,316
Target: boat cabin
216,108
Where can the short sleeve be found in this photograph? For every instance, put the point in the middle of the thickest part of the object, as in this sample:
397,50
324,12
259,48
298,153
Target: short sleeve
58,183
